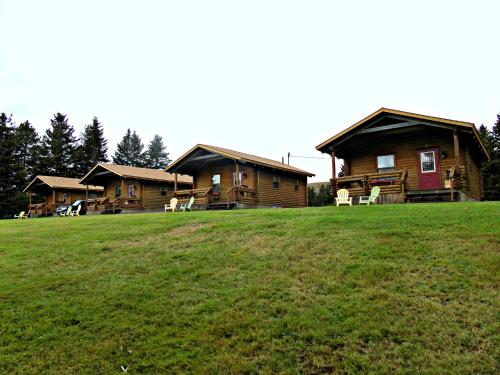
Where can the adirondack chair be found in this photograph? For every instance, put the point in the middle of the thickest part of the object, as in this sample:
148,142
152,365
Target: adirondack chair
22,215
187,206
343,197
172,205
67,212
76,212
372,198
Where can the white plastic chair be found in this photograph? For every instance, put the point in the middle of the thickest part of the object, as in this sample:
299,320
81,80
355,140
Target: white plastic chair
372,198
343,197
172,206
187,206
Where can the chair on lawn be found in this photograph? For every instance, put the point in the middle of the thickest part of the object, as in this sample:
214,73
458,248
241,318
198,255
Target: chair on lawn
172,206
66,213
343,197
76,212
22,215
187,206
372,198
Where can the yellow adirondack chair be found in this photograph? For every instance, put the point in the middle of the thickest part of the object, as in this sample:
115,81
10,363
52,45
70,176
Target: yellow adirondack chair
172,206
343,197
372,198
22,215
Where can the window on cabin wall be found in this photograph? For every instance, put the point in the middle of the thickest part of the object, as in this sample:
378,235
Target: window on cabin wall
297,184
385,163
276,182
216,183
118,191
163,190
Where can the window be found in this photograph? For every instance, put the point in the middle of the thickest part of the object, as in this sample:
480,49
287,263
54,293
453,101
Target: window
296,185
385,163
276,182
118,191
65,197
427,162
131,190
216,183
163,190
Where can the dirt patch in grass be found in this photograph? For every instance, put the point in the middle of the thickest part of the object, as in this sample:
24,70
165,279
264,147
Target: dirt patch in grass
186,229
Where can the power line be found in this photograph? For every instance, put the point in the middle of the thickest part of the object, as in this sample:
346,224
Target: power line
309,157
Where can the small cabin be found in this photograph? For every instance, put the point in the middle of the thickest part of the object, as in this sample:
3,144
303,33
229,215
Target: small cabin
52,192
227,179
132,189
411,157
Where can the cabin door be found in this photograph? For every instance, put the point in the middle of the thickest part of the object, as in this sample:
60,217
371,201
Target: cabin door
429,170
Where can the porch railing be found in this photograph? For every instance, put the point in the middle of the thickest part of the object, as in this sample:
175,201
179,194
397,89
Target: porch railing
202,196
361,184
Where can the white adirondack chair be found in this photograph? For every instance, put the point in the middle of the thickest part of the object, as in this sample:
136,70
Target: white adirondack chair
187,206
343,197
372,198
76,212
22,215
172,206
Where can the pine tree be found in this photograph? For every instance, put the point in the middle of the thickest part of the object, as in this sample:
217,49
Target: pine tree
93,148
156,154
12,174
28,148
491,169
136,147
59,148
123,153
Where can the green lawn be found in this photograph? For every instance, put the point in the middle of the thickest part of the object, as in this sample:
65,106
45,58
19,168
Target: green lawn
379,289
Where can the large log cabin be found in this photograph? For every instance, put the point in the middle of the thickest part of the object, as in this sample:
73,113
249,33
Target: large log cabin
224,178
55,191
411,157
129,189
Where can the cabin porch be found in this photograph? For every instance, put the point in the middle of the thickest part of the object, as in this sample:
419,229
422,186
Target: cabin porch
211,198
394,187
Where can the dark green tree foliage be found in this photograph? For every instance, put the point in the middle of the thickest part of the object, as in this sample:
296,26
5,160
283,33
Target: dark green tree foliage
28,148
321,196
59,148
129,151
342,171
491,169
93,147
12,173
156,154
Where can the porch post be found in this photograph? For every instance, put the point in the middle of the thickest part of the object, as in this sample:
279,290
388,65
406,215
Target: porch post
237,169
456,149
175,184
123,192
31,193
86,192
334,176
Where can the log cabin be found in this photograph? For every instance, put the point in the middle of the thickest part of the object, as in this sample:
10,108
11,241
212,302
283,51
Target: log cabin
412,157
55,191
226,179
132,189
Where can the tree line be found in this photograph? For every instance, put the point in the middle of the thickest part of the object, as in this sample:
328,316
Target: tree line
25,154
490,170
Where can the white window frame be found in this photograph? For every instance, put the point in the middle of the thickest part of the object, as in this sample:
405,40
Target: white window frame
433,161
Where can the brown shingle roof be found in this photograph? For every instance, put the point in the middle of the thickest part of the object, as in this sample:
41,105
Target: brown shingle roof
56,182
141,173
237,155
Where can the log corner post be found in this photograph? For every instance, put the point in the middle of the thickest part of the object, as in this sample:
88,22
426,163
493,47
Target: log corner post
334,176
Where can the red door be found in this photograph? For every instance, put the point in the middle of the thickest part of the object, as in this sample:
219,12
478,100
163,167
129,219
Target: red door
429,175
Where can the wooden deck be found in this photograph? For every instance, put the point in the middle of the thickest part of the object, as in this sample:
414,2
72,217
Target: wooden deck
206,198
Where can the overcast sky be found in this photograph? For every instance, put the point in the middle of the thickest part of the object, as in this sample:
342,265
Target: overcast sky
264,77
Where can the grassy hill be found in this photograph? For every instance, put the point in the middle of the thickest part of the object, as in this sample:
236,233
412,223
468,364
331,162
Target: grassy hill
384,289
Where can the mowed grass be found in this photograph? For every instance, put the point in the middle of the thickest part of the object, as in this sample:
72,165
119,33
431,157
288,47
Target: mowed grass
379,289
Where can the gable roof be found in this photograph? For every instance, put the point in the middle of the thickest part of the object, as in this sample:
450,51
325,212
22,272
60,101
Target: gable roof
461,124
240,156
139,173
56,182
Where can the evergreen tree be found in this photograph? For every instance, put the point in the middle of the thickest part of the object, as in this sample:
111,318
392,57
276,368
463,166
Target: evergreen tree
136,148
28,148
59,148
156,154
123,153
12,174
93,148
491,169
